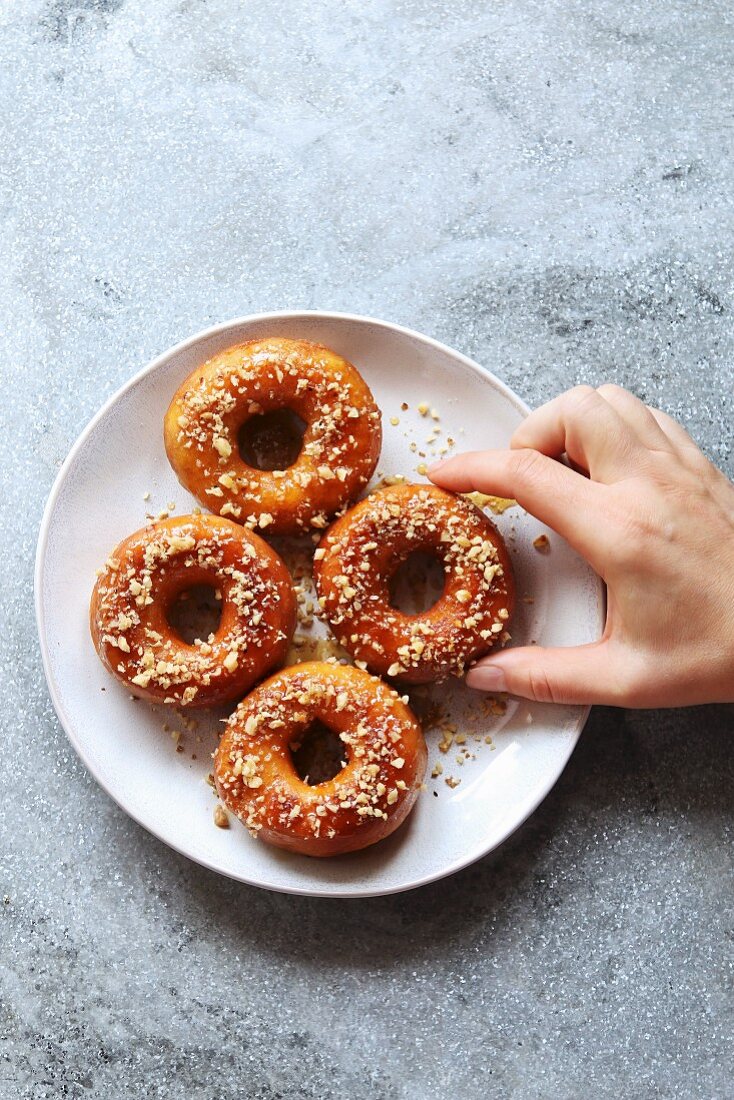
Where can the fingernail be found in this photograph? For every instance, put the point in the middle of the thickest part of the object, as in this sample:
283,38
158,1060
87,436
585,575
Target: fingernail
486,678
436,466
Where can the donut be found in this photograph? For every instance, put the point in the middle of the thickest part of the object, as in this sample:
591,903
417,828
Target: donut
262,379
142,579
368,798
359,554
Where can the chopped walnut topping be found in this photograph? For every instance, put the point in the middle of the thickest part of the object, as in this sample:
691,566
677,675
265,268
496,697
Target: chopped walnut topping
231,661
222,446
374,736
409,518
318,386
446,741
157,663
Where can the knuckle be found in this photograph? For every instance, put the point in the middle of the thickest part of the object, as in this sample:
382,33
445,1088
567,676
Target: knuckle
698,461
541,687
526,465
633,542
611,389
582,390
581,396
625,549
580,407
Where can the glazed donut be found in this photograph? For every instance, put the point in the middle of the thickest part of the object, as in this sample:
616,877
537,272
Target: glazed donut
362,550
340,446
364,802
142,579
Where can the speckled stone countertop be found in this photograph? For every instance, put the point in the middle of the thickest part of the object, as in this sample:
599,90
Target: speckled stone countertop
544,185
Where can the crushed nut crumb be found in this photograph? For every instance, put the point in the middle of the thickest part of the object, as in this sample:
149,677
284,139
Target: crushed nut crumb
221,819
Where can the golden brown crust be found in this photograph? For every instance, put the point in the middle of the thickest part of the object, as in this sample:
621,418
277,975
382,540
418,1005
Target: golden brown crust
144,575
366,801
340,447
362,550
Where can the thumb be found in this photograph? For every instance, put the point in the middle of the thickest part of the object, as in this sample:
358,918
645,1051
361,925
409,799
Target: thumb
577,674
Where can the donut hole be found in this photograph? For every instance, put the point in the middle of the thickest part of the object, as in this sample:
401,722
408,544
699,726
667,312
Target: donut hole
271,440
417,584
318,754
195,613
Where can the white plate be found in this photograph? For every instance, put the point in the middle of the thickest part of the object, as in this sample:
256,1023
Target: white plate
98,499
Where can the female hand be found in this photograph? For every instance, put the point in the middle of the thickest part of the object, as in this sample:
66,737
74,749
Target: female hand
654,518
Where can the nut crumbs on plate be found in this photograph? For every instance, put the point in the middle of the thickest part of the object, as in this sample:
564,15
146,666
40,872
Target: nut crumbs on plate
497,505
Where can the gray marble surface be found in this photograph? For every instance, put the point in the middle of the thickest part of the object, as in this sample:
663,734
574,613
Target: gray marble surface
544,185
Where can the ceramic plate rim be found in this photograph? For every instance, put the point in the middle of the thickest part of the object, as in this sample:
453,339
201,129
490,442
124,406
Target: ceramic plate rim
68,726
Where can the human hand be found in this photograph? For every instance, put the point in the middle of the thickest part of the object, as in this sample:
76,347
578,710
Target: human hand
653,517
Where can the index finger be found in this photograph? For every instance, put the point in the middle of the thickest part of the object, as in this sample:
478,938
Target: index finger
568,502
589,430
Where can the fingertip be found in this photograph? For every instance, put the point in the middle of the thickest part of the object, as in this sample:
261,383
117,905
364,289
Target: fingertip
486,677
448,473
462,472
436,466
